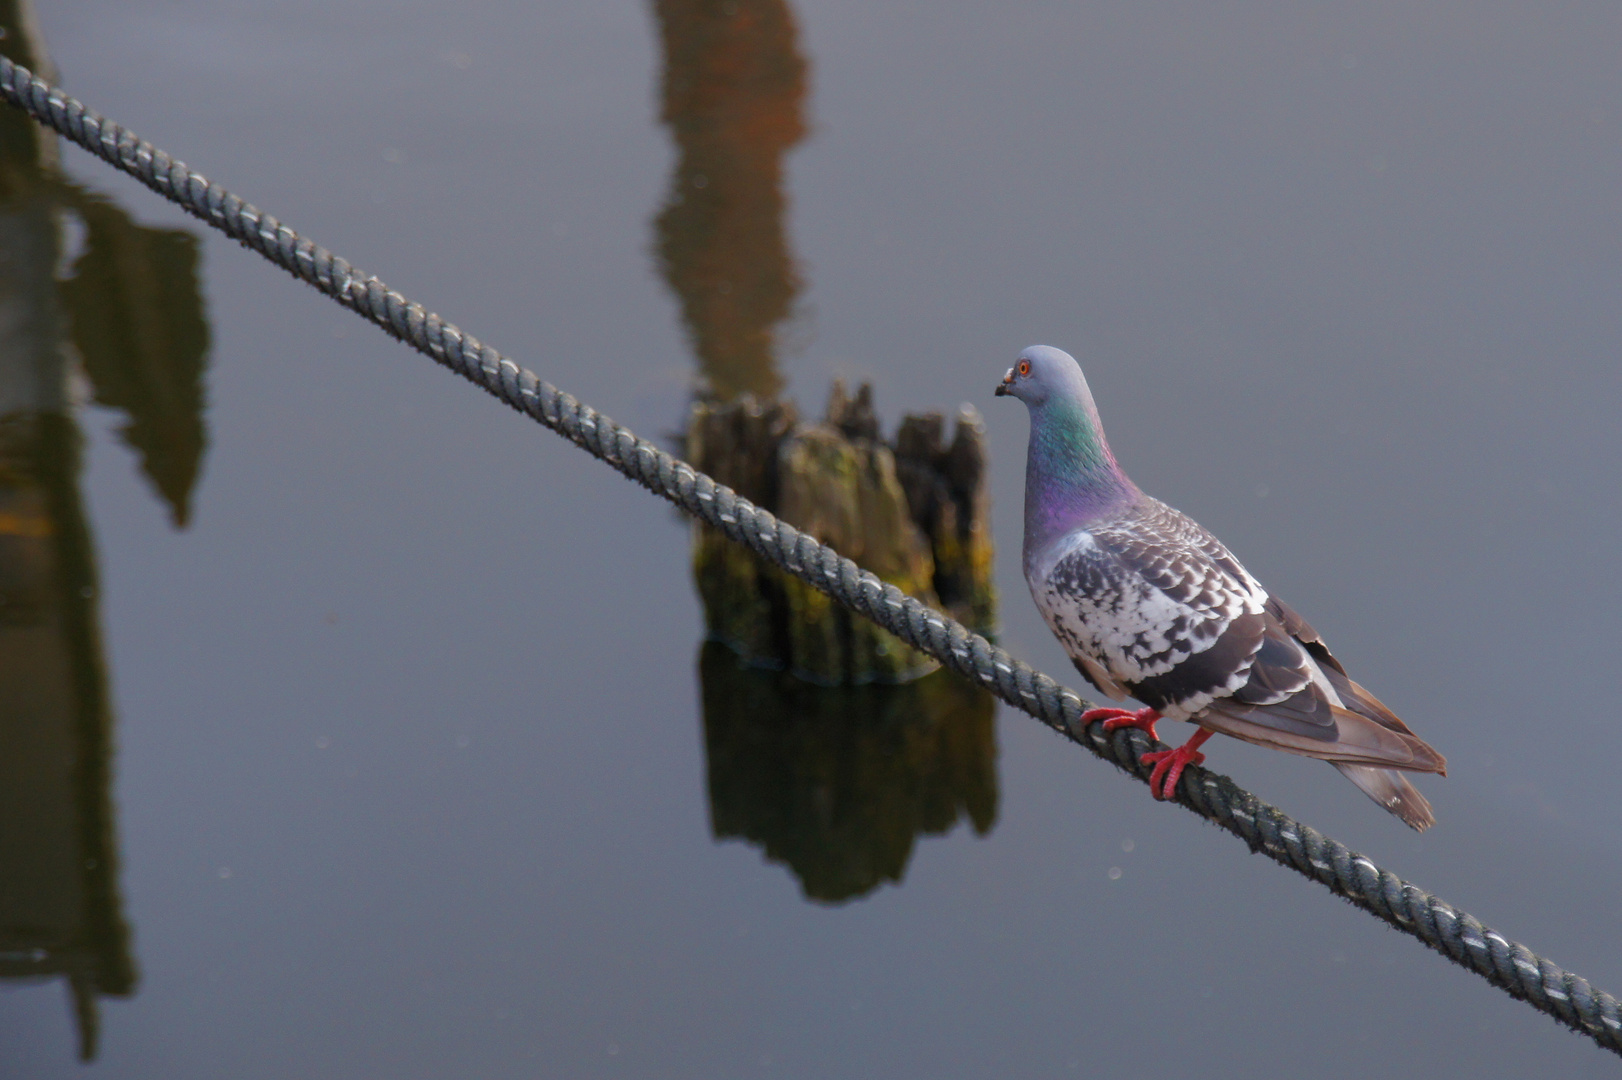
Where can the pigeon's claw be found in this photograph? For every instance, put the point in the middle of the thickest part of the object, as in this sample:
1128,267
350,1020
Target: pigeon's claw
1169,764
1116,719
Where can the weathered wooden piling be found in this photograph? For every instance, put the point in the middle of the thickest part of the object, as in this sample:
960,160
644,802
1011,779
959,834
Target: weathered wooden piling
915,512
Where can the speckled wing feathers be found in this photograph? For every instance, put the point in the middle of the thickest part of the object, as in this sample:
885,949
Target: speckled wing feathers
1158,605
1155,604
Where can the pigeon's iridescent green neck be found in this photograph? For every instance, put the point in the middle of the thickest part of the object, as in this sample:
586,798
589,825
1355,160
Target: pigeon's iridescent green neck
1071,477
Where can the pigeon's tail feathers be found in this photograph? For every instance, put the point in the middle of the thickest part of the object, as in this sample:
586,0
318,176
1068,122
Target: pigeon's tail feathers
1351,738
1351,694
1391,790
1359,700
1365,704
1367,753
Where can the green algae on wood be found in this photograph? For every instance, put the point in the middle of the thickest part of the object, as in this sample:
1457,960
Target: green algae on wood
916,514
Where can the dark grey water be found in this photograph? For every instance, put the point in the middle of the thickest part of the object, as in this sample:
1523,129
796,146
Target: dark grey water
409,769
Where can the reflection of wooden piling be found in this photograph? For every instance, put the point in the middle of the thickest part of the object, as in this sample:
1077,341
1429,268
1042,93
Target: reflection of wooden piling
915,514
733,87
59,903
136,318
132,307
838,783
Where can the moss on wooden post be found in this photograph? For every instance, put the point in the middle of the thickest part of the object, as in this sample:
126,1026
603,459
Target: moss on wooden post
915,513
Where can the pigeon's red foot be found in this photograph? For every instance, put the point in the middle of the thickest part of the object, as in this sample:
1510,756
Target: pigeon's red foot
1169,764
1115,719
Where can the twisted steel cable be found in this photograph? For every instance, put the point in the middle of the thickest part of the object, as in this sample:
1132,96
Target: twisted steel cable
1455,934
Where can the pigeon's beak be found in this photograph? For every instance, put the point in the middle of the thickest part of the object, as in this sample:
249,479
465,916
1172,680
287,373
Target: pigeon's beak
1003,388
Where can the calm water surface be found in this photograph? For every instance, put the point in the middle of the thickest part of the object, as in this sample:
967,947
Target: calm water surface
410,768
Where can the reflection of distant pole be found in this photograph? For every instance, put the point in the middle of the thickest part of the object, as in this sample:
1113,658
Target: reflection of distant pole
59,908
131,310
733,87
59,905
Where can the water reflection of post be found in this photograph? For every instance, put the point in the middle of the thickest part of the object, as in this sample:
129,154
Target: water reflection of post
733,87
131,311
836,782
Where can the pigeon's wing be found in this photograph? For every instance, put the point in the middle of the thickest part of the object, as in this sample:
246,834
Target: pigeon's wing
1304,703
1153,603
1363,736
1235,659
1301,631
1166,611
1351,694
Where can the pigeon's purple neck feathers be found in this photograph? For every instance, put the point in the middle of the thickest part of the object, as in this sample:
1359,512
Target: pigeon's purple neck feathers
1071,476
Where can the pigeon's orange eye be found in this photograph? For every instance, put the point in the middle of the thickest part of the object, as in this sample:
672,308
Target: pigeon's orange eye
1024,368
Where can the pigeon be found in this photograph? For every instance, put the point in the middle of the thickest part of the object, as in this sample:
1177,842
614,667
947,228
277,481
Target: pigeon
1149,604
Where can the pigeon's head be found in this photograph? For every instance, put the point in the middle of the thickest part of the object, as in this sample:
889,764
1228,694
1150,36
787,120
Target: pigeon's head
1042,372
1070,474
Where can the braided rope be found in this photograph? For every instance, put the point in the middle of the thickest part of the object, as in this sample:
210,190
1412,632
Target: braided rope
1455,934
